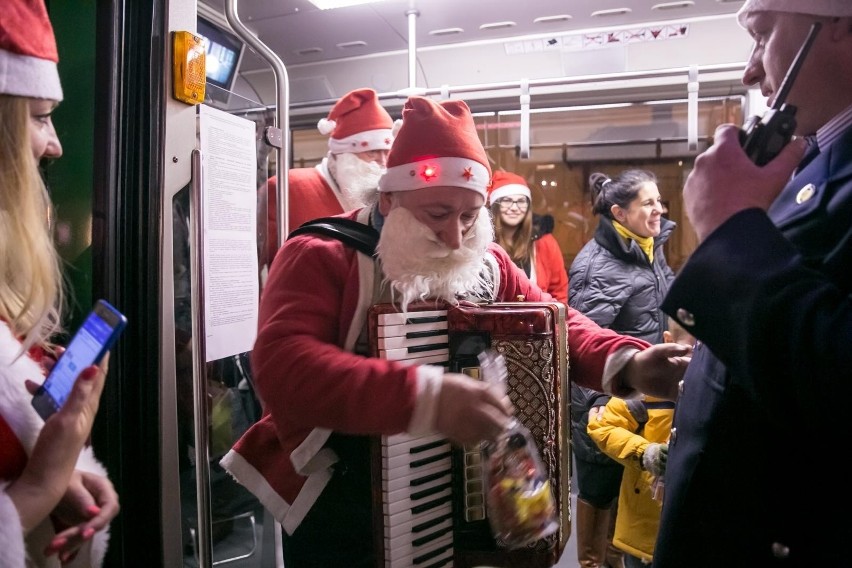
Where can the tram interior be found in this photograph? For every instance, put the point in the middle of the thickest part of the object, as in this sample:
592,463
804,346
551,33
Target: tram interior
609,88
610,85
558,89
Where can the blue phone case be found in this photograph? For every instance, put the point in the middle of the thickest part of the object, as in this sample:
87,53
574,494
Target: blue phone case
95,337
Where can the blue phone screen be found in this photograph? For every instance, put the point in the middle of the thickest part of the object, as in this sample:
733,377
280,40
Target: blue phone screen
81,352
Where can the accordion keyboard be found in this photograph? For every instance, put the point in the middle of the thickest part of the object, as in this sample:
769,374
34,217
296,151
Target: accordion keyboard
416,471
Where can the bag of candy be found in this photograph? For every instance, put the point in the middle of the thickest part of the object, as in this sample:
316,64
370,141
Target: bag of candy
519,500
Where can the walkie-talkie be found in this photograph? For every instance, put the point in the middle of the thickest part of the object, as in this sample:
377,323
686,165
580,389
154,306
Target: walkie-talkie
762,138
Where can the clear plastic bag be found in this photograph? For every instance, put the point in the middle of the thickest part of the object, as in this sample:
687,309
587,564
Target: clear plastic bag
519,500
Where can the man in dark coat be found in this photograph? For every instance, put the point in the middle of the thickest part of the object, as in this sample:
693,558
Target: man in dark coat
767,293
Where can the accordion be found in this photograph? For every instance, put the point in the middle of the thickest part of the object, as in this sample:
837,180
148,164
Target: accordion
428,498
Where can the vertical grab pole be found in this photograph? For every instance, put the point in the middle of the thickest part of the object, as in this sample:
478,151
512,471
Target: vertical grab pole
412,48
204,546
282,116
692,109
524,144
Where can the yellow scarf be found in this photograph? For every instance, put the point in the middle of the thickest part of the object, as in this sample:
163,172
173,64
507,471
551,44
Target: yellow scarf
645,243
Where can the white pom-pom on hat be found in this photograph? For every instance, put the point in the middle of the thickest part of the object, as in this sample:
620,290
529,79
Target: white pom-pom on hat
326,126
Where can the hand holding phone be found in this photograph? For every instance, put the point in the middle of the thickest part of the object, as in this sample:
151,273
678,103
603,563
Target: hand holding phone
92,341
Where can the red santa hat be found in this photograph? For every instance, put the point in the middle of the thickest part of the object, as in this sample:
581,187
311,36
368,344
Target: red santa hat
507,183
358,123
828,8
437,146
28,54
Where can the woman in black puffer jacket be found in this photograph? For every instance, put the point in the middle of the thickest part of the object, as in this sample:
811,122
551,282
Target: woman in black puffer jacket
619,280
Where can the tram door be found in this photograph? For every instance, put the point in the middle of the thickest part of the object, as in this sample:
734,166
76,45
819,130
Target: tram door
215,163
216,292
221,280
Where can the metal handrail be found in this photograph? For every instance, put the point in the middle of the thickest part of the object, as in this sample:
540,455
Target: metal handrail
282,114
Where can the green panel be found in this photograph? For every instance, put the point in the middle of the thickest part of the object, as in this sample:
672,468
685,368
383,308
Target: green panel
70,179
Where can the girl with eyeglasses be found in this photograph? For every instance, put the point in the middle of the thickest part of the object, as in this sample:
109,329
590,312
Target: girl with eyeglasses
529,243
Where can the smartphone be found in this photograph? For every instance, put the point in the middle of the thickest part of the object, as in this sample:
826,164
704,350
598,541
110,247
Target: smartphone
88,346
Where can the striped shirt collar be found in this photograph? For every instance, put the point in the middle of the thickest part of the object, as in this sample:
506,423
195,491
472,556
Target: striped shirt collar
831,130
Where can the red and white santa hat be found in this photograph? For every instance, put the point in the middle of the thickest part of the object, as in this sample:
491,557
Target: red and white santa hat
437,146
827,8
504,184
28,54
357,123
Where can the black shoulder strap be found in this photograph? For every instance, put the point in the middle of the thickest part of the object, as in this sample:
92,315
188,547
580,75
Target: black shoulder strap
639,409
359,236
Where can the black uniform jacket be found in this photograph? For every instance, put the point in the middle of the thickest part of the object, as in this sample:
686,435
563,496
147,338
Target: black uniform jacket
755,473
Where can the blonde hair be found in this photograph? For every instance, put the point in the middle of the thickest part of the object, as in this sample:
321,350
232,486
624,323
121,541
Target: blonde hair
31,295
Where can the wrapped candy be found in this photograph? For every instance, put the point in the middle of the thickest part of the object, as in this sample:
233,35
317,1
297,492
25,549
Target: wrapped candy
519,500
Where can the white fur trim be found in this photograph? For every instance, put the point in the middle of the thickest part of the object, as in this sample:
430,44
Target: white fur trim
380,139
429,381
508,189
92,553
614,364
247,476
27,76
303,456
290,516
11,532
829,8
15,401
17,410
306,498
449,172
88,462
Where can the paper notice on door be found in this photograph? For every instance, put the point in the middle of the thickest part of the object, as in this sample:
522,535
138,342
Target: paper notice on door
231,286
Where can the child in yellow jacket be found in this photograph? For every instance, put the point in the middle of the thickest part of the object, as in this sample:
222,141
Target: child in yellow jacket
636,433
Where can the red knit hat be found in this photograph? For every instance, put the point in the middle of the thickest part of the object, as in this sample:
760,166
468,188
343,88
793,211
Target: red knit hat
437,146
507,183
358,123
28,54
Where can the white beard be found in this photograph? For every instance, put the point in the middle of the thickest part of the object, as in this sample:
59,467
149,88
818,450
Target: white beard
357,180
420,267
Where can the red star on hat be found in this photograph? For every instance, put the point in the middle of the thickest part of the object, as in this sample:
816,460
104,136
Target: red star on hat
429,172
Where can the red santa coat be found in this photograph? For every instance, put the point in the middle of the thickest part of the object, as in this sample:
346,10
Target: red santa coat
20,428
312,194
312,312
550,274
